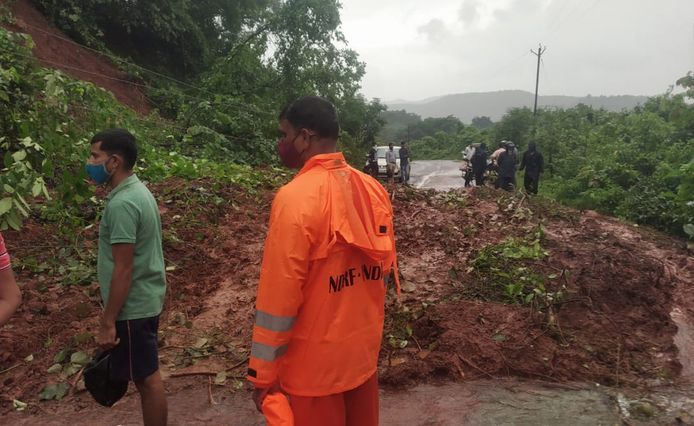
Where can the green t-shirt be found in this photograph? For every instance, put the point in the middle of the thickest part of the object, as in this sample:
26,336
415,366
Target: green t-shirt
131,216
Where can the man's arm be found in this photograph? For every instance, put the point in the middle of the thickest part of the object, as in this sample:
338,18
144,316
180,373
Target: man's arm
283,273
10,296
542,163
121,281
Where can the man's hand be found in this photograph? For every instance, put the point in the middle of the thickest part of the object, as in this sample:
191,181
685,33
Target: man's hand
259,395
106,339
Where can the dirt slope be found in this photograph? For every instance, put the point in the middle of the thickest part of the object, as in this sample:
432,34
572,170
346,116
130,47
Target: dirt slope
613,327
54,50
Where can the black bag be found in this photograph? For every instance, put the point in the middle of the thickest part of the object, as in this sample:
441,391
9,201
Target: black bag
97,379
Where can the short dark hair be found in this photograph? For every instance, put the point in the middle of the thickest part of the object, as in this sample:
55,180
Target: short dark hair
118,141
313,113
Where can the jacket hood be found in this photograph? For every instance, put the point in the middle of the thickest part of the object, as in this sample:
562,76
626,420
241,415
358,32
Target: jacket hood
360,214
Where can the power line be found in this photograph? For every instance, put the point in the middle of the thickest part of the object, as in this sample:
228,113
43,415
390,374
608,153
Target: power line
227,102
123,61
508,65
559,24
111,56
135,117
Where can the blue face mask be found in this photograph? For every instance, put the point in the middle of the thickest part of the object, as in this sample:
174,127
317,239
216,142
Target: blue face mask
98,172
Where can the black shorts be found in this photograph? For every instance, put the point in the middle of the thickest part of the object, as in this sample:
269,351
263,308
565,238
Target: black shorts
136,357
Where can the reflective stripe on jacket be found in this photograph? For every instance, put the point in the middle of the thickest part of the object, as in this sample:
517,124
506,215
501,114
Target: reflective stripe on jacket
329,252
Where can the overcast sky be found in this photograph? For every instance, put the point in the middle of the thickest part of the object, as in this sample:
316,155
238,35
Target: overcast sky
416,49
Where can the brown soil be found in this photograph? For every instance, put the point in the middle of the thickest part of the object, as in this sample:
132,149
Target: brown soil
55,50
612,328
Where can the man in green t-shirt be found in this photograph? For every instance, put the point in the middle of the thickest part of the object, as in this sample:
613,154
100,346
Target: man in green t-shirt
131,270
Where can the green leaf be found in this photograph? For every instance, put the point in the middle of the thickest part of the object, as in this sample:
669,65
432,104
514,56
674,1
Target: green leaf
19,155
689,229
55,368
79,358
70,370
14,221
54,391
83,337
21,208
499,337
36,188
5,205
61,356
24,202
8,188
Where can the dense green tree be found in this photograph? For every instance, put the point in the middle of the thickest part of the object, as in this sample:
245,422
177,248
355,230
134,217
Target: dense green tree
179,37
483,122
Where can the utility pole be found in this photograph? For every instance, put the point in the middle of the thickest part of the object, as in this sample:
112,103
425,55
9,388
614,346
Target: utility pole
540,51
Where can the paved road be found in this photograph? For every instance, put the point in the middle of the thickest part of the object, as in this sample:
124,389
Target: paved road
436,174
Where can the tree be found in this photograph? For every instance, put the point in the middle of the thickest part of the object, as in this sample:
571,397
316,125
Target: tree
483,122
176,37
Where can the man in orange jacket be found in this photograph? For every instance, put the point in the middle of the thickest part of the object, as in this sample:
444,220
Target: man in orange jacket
329,254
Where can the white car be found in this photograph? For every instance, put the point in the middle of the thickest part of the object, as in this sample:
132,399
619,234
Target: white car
381,160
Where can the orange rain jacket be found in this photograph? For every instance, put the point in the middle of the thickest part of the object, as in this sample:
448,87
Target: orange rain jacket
329,254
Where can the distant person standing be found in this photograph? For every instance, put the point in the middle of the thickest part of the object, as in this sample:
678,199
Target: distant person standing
534,166
469,152
507,168
391,163
373,161
10,296
404,162
495,155
131,271
479,164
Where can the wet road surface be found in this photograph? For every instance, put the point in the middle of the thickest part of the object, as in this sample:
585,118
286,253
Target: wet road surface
436,174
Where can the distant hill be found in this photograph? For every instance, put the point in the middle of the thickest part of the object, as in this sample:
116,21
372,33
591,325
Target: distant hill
466,106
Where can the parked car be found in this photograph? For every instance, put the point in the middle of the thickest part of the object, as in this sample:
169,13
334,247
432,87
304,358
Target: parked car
381,159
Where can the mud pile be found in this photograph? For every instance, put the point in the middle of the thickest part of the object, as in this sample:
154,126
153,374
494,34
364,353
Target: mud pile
611,326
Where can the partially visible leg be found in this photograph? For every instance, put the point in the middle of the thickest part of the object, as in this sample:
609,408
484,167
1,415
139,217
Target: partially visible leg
318,411
145,370
361,404
153,400
536,184
527,183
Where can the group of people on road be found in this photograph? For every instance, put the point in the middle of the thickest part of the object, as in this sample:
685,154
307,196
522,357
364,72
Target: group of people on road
392,166
328,260
504,163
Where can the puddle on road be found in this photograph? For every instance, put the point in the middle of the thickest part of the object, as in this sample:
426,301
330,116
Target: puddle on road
499,402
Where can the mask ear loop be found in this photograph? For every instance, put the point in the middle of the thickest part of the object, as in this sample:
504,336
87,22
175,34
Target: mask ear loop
310,135
106,165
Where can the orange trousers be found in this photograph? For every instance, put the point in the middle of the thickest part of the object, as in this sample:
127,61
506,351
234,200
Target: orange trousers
357,407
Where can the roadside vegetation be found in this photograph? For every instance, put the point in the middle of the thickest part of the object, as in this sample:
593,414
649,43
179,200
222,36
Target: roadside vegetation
637,165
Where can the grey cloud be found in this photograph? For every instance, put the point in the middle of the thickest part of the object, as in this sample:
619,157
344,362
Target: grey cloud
519,8
469,12
435,30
